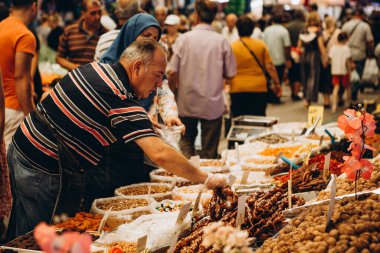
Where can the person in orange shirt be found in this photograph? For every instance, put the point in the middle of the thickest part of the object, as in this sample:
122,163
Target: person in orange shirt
249,87
17,46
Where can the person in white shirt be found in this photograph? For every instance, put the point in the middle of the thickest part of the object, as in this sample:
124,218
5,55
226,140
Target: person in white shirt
230,31
341,63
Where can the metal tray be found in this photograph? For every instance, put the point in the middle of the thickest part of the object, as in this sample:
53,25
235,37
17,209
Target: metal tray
250,120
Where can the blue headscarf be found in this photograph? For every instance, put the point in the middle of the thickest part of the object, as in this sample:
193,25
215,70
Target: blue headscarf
128,33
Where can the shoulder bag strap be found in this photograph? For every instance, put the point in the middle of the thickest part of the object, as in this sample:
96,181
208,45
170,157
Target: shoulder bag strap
257,60
356,26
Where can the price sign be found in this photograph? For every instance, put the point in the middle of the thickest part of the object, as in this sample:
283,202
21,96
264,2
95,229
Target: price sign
277,157
332,201
245,176
241,210
313,114
196,161
231,179
141,243
181,217
326,166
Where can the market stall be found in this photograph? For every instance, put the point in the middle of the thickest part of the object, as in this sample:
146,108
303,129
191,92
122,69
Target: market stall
290,190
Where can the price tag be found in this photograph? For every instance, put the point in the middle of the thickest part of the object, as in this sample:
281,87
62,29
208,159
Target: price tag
196,161
313,114
237,153
174,182
290,193
181,217
293,135
231,179
332,201
277,157
321,140
141,243
245,176
290,183
104,220
149,191
326,166
308,157
197,201
241,210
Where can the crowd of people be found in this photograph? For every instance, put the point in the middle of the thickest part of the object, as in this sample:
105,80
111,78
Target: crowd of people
135,70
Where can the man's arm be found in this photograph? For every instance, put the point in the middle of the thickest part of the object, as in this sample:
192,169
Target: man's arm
168,158
23,81
173,79
66,63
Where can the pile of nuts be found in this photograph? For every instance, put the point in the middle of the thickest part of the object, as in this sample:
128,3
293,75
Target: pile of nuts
120,204
211,163
344,186
272,139
355,227
122,247
143,190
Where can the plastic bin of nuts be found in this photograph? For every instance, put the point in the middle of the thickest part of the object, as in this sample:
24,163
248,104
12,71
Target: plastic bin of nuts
164,176
123,210
158,191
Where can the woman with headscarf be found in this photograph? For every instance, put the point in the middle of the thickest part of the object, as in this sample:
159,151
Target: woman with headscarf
145,26
127,163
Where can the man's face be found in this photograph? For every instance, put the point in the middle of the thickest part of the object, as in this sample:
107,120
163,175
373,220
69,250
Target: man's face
172,29
146,79
92,15
160,16
231,22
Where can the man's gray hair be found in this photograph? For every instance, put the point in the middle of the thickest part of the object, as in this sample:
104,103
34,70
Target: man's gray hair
142,49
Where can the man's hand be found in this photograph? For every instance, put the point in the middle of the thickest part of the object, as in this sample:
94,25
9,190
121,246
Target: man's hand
174,121
216,181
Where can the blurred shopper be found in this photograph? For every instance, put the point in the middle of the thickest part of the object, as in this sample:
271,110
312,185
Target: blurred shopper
249,87
230,31
313,54
48,165
375,25
55,33
43,29
277,38
125,9
5,188
295,28
202,59
78,42
160,13
360,43
341,63
18,47
172,23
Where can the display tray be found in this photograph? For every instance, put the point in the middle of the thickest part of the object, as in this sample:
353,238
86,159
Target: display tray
250,120
27,244
241,133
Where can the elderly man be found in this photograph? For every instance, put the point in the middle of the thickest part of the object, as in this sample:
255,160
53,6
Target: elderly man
230,31
90,109
78,42
201,60
160,13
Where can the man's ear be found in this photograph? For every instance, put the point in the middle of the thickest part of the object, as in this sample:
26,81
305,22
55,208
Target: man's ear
137,65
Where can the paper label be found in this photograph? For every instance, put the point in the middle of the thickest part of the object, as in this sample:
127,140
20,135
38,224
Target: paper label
308,157
332,201
174,182
277,157
245,176
181,216
313,114
197,201
196,161
104,220
141,244
183,212
326,166
231,179
321,140
237,153
293,135
241,210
